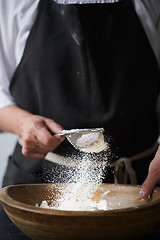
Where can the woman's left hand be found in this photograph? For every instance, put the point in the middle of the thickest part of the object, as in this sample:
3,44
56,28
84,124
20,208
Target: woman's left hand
153,177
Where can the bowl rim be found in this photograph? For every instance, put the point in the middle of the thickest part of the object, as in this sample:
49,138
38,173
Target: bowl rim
7,200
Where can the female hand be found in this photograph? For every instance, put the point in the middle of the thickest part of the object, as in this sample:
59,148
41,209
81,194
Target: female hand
38,136
153,177
37,132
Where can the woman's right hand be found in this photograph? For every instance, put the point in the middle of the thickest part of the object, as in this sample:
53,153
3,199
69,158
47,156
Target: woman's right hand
37,132
38,136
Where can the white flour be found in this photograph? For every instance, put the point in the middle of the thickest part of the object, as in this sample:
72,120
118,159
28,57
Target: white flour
87,179
80,205
106,200
96,146
85,140
87,176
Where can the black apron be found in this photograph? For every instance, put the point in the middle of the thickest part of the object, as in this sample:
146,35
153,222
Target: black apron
89,65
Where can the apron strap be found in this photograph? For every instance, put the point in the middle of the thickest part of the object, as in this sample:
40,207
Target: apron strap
123,166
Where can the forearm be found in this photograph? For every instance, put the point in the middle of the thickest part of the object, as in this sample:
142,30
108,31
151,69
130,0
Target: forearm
12,119
37,132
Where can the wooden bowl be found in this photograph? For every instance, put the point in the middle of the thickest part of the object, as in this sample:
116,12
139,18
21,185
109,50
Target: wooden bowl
129,218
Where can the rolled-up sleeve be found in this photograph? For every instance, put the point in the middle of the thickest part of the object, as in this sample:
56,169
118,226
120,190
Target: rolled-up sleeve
16,20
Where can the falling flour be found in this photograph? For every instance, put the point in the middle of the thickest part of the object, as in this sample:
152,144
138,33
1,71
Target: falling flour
88,176
77,201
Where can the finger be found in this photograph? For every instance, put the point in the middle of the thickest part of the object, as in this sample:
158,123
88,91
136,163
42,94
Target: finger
35,155
147,187
54,127
30,146
38,140
44,135
29,143
33,150
49,144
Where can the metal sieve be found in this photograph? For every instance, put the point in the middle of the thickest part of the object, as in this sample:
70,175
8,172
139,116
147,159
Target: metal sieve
81,138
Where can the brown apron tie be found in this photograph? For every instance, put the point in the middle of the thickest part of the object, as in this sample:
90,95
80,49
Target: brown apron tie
123,166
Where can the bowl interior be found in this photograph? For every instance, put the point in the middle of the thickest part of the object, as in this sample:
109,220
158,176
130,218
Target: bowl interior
118,197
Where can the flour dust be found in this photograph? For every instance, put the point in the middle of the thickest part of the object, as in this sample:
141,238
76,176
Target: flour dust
83,180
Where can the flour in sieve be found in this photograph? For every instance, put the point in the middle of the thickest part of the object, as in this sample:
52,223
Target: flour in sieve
96,146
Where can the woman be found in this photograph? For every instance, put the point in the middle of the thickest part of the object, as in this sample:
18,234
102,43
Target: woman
82,65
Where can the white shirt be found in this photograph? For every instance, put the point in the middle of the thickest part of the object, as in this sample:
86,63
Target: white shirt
17,18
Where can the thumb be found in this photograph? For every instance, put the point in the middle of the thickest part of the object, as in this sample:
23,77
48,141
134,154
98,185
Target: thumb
54,127
147,187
